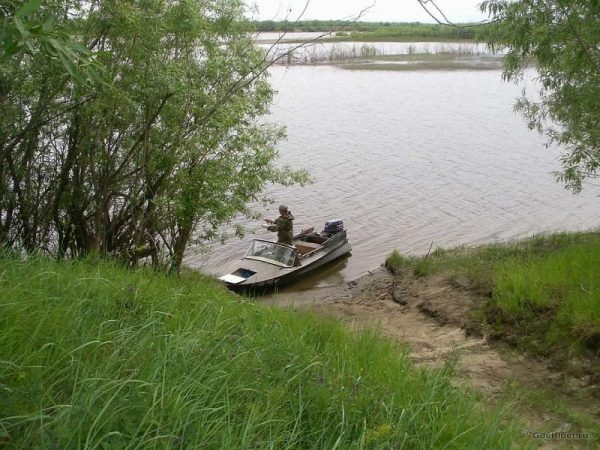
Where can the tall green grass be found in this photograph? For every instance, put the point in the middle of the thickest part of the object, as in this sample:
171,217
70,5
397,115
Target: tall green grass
94,356
558,293
545,290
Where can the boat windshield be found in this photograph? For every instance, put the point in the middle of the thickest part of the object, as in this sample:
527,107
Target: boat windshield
271,252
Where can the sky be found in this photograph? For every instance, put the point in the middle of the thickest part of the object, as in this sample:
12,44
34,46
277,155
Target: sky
379,11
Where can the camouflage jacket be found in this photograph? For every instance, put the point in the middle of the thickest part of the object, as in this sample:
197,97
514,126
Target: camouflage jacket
284,225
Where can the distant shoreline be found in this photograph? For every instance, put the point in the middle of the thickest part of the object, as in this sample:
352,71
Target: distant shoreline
367,38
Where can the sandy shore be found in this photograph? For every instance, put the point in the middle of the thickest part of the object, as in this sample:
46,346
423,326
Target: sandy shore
435,318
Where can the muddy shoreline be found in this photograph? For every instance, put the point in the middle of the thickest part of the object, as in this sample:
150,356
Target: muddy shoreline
431,316
437,318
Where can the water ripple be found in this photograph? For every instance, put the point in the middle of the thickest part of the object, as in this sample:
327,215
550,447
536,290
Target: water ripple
410,158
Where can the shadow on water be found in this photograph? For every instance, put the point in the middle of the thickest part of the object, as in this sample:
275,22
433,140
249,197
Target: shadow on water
328,275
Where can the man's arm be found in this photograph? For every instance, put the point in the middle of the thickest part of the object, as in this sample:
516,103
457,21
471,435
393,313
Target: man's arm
273,224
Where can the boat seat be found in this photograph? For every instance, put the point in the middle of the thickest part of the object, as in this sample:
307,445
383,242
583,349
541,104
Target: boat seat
303,247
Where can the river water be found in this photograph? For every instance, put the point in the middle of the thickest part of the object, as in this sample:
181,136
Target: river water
411,158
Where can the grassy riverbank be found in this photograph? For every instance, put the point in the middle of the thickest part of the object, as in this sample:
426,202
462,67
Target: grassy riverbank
544,292
95,356
372,31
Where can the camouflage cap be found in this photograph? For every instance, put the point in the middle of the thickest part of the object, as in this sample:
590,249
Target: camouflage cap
283,208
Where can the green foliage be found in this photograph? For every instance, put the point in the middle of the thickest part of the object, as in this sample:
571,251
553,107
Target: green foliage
545,291
30,28
167,153
422,267
563,38
369,31
411,31
395,261
96,356
556,295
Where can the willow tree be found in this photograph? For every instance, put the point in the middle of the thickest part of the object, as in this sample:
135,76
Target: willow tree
170,151
562,38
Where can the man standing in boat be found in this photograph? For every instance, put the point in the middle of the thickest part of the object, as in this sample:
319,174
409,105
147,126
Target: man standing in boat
284,225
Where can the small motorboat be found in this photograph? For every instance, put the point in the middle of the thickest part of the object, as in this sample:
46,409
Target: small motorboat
267,264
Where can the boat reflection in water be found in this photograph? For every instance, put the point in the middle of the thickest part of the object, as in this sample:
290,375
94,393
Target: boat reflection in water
268,265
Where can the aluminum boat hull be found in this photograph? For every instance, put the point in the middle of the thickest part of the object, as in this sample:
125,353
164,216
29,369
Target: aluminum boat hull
268,276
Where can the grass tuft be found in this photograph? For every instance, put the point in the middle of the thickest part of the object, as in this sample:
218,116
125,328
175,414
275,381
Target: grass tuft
395,262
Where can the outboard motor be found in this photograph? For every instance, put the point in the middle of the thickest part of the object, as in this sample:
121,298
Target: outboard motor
333,226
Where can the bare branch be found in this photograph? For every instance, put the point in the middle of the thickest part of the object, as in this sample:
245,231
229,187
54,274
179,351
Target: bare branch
446,21
265,64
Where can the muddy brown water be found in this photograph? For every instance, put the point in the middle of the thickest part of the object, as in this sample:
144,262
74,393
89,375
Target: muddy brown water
407,159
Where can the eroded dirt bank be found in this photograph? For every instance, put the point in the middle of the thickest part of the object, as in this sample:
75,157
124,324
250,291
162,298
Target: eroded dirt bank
435,317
